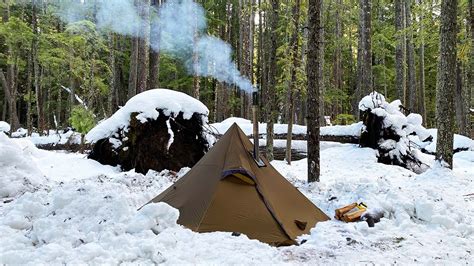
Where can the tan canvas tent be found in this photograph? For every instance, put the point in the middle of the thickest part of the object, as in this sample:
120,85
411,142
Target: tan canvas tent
227,191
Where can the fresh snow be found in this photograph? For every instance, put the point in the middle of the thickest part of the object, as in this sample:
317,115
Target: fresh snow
4,127
460,142
61,208
371,101
170,131
146,105
55,138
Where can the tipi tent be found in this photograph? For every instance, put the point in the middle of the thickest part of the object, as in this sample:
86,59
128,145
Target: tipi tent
228,191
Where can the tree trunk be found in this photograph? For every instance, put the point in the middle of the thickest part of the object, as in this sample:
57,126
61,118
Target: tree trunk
272,72
112,78
459,101
400,50
421,90
8,82
59,107
321,76
365,57
337,67
132,78
143,46
471,63
292,85
4,109
446,82
153,78
7,88
29,84
411,79
313,66
36,72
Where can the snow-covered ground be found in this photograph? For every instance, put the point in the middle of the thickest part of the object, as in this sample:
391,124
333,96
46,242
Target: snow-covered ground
63,208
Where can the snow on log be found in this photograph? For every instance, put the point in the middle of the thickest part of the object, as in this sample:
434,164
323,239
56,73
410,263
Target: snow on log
387,130
157,129
4,127
339,133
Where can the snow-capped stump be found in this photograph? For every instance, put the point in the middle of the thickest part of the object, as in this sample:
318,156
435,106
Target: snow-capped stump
387,130
157,129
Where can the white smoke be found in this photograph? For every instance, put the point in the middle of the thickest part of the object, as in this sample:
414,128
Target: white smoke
181,31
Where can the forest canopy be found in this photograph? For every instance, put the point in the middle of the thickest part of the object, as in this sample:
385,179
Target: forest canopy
58,54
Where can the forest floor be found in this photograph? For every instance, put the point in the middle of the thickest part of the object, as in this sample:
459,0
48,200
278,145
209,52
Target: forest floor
64,208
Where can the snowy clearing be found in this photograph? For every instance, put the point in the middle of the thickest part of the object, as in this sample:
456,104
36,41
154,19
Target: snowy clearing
64,208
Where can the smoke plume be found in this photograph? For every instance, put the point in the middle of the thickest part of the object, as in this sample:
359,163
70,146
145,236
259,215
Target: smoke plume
178,27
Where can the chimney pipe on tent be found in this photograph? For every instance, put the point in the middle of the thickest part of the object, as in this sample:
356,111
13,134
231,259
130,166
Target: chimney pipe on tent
256,155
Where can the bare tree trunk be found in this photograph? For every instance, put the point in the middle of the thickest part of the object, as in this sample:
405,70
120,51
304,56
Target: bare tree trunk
272,72
365,57
313,66
354,70
411,78
9,98
132,78
8,82
4,109
36,71
421,90
470,86
400,50
337,67
29,84
59,108
112,78
196,81
153,78
143,46
292,85
459,101
321,68
446,82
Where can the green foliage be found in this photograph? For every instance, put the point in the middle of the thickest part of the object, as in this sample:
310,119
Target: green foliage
82,119
78,55
344,119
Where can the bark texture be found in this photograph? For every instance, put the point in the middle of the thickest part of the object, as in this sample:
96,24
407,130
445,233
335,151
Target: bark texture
446,82
292,84
411,101
364,56
313,101
272,72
